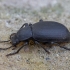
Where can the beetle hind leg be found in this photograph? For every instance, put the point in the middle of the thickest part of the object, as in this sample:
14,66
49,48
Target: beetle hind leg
62,46
65,48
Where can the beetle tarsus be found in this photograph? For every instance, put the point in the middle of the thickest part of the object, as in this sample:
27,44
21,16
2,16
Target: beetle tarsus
4,41
5,48
11,54
65,48
62,46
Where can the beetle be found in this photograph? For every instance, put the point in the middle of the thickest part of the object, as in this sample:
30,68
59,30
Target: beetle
46,32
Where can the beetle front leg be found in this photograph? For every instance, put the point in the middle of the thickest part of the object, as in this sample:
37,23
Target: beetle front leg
42,47
17,50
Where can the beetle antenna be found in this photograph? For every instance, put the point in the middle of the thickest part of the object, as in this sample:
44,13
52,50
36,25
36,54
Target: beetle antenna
4,41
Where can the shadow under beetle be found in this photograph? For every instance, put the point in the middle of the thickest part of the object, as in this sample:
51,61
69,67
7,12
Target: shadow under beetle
48,32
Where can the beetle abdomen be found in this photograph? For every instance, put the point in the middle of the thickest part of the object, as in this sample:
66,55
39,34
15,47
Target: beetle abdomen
46,31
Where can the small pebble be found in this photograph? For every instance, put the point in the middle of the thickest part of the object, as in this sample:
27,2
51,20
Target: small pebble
47,58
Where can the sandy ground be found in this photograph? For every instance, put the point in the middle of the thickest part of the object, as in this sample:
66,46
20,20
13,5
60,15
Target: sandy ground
13,14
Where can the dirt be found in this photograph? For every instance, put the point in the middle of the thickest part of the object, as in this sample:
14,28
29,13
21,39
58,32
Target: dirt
13,14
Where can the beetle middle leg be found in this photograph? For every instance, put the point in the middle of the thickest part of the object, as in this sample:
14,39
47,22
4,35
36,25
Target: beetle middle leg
17,50
42,47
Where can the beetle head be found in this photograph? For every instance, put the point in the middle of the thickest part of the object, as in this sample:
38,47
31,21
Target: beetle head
14,39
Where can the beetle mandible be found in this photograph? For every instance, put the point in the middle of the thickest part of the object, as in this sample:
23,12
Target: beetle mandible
40,32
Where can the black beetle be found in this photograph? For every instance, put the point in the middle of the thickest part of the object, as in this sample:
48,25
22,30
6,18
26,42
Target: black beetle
48,32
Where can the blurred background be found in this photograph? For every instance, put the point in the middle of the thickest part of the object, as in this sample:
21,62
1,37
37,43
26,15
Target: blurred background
13,14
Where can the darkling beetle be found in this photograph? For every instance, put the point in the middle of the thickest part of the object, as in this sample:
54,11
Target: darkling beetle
48,32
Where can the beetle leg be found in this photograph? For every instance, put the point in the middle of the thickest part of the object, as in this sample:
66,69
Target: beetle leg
65,48
14,47
17,50
5,48
45,50
4,41
62,46
42,47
